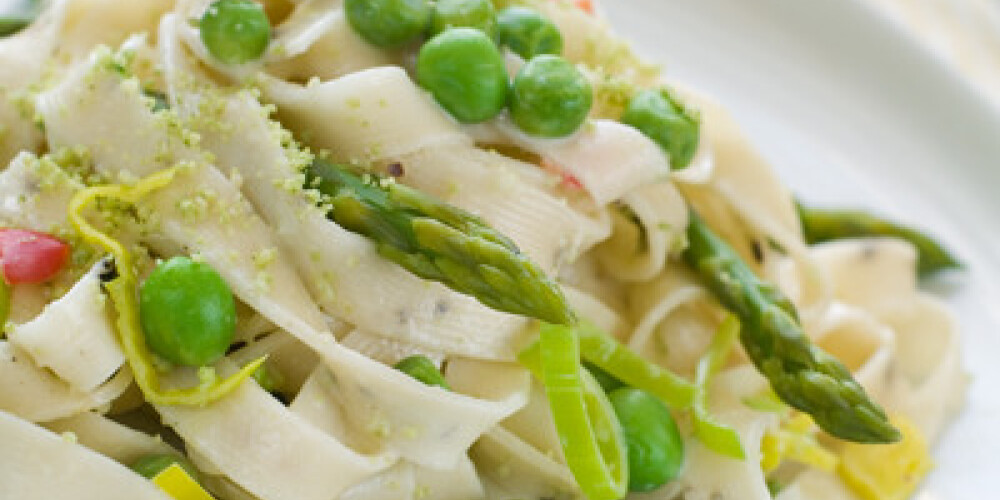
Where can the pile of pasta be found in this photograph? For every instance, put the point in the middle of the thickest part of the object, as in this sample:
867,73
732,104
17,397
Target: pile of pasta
333,315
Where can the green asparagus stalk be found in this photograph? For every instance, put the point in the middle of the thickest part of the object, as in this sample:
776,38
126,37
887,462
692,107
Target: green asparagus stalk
825,225
800,373
439,242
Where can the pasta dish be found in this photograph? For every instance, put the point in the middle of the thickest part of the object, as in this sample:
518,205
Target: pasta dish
442,250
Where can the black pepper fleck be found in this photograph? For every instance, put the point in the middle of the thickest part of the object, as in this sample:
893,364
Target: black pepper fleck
395,169
441,307
758,251
868,252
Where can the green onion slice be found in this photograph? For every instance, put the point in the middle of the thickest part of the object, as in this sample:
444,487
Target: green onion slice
588,429
715,435
606,353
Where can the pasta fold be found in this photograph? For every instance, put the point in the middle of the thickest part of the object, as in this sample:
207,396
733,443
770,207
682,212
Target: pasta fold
69,467
109,438
33,393
73,336
268,450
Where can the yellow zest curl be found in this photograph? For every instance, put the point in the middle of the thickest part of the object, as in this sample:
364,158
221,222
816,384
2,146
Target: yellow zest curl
176,482
122,291
890,471
796,441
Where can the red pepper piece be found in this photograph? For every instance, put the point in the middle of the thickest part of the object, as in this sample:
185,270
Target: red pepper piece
31,257
585,5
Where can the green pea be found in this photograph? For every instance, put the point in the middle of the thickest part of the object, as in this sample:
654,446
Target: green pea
528,33
657,115
268,378
465,72
389,23
151,465
235,31
478,14
655,448
423,369
550,97
187,312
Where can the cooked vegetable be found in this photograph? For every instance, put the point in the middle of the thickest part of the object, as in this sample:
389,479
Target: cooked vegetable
175,481
389,23
618,366
550,97
528,33
465,72
795,440
151,465
608,354
188,312
591,437
478,14
159,99
585,5
825,225
269,379
235,31
422,369
607,381
18,14
715,435
800,373
655,447
439,242
122,288
31,257
890,472
664,120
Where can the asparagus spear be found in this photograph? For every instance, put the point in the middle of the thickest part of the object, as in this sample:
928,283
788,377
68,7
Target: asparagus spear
803,375
439,242
825,225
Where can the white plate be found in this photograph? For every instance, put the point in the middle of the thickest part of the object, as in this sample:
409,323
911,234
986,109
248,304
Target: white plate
851,111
